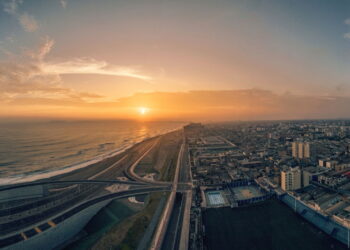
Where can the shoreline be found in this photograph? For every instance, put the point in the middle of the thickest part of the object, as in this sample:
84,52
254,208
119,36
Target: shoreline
86,169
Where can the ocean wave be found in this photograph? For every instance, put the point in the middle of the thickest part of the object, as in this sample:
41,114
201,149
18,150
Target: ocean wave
7,163
44,174
47,173
106,144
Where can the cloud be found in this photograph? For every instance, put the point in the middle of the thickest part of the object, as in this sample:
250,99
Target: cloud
45,47
25,80
63,3
244,104
347,35
90,66
30,76
12,6
22,77
27,21
79,65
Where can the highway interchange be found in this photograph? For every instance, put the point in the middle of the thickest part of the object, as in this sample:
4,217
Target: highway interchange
16,221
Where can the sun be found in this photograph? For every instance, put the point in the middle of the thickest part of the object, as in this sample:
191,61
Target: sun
143,110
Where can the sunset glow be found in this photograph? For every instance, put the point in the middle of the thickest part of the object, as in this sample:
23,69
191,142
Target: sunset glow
184,59
143,110
191,117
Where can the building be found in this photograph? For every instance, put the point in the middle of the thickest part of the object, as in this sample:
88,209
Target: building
331,164
332,180
306,152
307,177
322,162
300,146
311,174
341,167
301,150
291,179
295,149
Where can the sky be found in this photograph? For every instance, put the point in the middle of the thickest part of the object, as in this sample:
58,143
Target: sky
197,60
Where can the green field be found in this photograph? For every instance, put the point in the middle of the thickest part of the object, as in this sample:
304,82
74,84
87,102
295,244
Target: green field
268,225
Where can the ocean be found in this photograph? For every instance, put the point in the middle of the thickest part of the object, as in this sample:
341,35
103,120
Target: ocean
34,150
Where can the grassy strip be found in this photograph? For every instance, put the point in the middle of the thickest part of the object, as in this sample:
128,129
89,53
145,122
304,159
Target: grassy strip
101,223
162,158
168,171
128,233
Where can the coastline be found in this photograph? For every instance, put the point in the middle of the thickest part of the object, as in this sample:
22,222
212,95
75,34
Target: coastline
70,221
82,170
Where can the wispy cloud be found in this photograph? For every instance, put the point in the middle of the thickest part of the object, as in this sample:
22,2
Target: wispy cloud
347,35
79,65
28,22
244,104
63,3
45,47
22,77
90,66
30,75
11,6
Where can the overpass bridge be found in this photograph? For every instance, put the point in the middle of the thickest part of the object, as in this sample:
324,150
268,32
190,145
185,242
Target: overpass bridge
11,240
24,225
29,184
67,217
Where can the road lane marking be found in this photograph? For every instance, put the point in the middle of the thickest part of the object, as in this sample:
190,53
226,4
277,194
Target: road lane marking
51,223
24,236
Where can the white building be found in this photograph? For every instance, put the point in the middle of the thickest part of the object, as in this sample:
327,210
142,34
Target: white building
291,179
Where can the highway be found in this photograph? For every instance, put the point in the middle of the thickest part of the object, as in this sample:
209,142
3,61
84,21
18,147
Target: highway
169,234
21,185
167,213
20,215
185,175
16,221
174,229
172,236
130,172
52,222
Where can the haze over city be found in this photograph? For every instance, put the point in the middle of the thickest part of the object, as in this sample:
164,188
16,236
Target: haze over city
181,60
